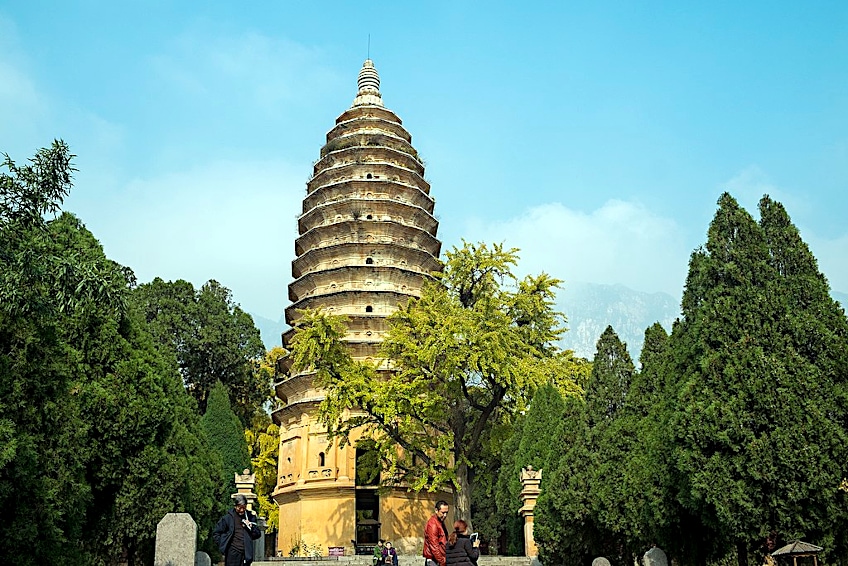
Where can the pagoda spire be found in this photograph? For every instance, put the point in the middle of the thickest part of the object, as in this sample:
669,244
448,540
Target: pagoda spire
369,86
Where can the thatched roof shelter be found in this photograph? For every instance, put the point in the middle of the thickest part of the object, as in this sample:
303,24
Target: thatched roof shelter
798,549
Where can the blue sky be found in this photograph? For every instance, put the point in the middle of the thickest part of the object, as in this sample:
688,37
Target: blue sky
595,136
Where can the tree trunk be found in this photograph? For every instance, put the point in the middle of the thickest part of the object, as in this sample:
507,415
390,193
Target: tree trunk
462,496
741,554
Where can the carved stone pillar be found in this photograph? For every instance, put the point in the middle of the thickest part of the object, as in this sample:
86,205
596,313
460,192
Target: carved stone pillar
245,482
530,481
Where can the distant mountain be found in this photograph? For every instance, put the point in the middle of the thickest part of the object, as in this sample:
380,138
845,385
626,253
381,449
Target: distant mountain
591,307
271,331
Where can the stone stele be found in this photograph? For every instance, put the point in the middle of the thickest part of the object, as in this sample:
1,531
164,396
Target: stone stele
655,557
176,540
600,561
202,559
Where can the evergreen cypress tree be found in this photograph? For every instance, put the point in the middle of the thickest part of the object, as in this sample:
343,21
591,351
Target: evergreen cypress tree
649,510
564,525
536,444
653,514
583,508
815,322
532,444
613,426
656,339
816,330
226,437
609,383
505,492
758,441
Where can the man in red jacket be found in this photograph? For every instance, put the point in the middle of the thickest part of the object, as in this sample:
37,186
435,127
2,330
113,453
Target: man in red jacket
436,536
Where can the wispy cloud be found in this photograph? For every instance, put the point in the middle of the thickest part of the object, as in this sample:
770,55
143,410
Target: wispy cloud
750,184
31,118
229,221
23,108
17,91
257,70
620,242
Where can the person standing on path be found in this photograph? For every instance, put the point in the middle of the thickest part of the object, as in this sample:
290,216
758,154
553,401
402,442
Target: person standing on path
460,550
235,532
436,536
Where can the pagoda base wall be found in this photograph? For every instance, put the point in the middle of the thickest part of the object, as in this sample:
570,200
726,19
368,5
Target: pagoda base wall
325,517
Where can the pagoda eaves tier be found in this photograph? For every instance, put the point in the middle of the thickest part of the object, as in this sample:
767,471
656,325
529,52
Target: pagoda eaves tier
367,234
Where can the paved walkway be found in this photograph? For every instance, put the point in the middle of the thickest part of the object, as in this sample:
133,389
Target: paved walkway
402,561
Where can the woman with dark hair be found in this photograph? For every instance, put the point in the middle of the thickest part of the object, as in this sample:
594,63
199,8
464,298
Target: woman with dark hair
390,557
460,551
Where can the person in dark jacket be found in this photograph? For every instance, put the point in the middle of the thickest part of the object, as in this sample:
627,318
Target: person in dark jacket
460,551
390,557
235,532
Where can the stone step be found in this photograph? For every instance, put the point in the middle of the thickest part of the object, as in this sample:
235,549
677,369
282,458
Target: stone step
402,561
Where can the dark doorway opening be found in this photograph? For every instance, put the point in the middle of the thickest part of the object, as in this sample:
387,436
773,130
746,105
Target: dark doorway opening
367,520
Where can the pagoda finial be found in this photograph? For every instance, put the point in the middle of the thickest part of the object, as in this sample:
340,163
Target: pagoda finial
369,86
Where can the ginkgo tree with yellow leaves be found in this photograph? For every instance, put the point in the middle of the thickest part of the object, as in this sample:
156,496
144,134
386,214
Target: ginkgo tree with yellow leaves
458,362
263,443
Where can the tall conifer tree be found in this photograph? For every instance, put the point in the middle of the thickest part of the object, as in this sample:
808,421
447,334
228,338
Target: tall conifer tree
564,527
613,426
534,443
758,441
653,347
815,322
609,383
226,437
582,511
650,512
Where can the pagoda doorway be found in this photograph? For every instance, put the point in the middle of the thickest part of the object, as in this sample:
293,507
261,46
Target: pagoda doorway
367,504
